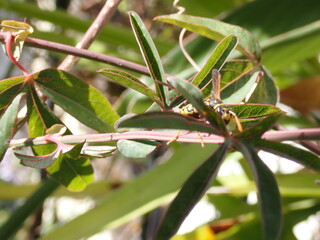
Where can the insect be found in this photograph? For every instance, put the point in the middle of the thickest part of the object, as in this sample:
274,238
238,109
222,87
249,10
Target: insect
214,102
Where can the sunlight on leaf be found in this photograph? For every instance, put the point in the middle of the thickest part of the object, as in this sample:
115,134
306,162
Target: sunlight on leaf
65,169
81,174
82,101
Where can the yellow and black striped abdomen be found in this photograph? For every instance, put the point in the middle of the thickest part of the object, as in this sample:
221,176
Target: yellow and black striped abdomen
217,105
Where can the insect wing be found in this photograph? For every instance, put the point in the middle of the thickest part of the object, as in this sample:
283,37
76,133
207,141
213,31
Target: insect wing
216,77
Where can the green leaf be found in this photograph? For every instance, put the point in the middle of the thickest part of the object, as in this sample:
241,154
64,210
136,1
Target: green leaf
275,22
266,91
259,128
236,91
252,111
151,57
127,80
191,192
216,60
300,43
66,170
79,99
191,93
165,120
157,185
299,185
80,173
14,223
9,89
233,70
136,148
225,203
298,155
40,162
268,193
111,33
7,124
57,129
40,118
216,30
194,96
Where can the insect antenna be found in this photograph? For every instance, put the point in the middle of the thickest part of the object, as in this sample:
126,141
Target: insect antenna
239,125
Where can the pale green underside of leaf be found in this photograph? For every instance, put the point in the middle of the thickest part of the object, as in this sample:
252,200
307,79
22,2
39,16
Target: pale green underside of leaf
136,148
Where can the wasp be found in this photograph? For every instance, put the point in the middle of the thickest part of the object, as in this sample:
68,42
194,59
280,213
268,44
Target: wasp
214,102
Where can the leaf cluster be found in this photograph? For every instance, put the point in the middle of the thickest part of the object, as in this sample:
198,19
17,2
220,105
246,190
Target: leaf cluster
236,55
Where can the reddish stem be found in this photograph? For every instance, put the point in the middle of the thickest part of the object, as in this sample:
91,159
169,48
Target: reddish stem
291,135
9,39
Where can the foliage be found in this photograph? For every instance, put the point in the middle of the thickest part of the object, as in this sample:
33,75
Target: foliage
249,94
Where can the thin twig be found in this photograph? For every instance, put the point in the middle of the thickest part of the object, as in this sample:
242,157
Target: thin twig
62,48
185,136
307,144
95,28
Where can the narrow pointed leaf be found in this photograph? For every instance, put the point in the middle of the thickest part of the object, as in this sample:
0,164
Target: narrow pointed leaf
194,96
216,30
191,192
191,93
305,39
268,193
79,99
251,110
151,57
7,124
165,120
127,80
32,203
298,155
216,60
260,127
